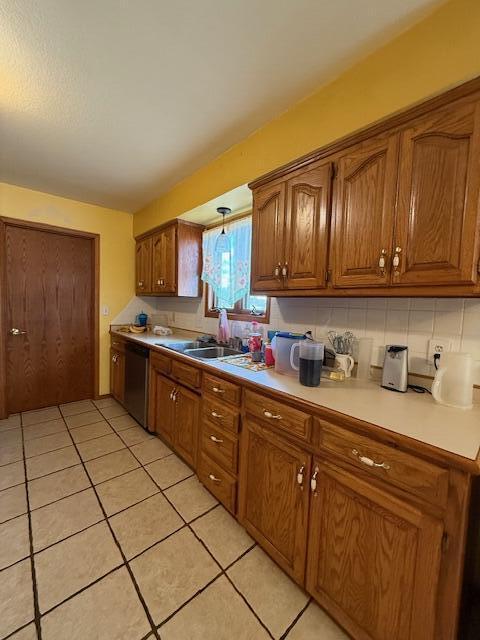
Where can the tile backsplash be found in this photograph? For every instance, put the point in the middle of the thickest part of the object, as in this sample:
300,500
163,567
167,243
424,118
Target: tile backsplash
410,321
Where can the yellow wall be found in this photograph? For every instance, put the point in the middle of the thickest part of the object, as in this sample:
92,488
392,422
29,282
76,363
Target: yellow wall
117,252
441,51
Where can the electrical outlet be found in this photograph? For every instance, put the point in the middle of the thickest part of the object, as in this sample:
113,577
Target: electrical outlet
437,345
105,310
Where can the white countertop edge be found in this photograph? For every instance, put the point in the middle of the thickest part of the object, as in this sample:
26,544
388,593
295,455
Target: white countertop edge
410,414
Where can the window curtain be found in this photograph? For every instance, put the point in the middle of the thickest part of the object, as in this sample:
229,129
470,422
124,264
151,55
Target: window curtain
228,273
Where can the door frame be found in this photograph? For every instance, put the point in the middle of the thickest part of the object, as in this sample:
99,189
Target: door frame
75,233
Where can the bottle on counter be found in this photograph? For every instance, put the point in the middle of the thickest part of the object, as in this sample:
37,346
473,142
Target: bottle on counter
268,355
255,342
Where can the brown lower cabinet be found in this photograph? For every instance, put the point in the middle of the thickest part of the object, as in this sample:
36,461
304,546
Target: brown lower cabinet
274,496
187,411
176,419
117,374
373,559
380,546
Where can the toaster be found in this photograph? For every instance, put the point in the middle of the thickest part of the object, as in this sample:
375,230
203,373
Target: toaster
395,368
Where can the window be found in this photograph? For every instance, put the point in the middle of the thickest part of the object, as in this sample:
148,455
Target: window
227,274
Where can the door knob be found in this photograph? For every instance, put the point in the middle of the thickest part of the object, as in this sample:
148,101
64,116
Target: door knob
17,332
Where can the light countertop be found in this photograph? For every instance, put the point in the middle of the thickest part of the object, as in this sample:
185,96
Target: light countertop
409,414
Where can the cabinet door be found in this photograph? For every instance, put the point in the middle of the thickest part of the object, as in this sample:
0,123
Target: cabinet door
438,193
373,559
164,408
306,243
164,261
117,374
268,231
274,496
143,266
364,213
187,412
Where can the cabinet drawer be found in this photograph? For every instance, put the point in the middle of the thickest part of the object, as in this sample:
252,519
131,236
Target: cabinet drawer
117,343
219,482
399,468
219,445
279,415
161,363
221,389
186,374
218,413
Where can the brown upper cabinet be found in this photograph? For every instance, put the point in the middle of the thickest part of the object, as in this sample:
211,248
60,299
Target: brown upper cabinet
290,232
405,209
169,260
164,261
143,265
437,206
364,213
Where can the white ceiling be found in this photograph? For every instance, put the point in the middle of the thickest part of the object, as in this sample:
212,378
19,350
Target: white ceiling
114,101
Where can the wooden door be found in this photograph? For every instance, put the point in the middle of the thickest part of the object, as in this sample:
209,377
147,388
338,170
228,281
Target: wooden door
438,194
50,299
117,374
164,407
364,213
373,559
273,505
164,261
268,231
306,242
187,412
143,266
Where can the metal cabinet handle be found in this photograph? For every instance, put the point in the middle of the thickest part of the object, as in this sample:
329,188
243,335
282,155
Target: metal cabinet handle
382,261
216,415
213,478
276,271
216,440
300,473
285,270
217,390
369,462
173,394
272,416
114,358
313,480
16,332
140,283
396,260
161,282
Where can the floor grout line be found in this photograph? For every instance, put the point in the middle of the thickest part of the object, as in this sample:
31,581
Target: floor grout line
13,517
87,586
295,620
50,473
125,562
106,518
36,607
70,535
222,571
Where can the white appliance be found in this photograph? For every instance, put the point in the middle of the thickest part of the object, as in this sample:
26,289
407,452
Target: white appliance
395,368
453,382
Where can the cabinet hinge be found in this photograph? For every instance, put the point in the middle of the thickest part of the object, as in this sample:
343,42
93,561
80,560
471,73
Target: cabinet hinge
445,542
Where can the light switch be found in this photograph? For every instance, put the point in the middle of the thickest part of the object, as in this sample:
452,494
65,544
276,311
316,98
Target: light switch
105,310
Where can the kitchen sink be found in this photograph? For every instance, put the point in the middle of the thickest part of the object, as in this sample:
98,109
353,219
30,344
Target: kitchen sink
210,353
180,346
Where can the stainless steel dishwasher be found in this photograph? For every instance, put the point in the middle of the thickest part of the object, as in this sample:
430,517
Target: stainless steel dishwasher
136,381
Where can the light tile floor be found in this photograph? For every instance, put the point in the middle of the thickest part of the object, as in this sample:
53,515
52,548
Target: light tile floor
106,535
